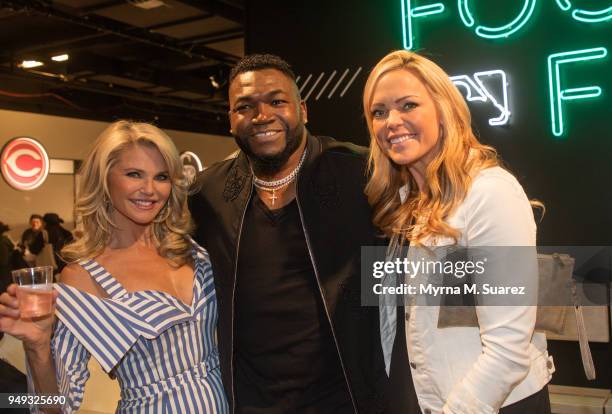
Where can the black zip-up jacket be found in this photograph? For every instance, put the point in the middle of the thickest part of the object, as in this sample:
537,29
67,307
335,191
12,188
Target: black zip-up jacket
336,219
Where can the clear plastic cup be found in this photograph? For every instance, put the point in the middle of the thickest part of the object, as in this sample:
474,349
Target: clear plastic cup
35,291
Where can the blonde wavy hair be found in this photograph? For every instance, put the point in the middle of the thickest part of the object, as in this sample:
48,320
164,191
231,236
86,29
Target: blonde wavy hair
93,206
449,175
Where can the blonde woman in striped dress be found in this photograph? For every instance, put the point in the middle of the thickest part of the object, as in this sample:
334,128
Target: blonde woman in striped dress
138,294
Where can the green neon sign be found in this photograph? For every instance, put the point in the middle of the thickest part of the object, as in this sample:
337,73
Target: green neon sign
423,11
409,13
558,94
501,31
586,16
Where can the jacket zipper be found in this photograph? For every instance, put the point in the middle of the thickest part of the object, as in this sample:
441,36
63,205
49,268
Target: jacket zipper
331,325
234,298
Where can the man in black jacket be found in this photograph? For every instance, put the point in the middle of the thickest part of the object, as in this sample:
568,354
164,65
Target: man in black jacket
284,222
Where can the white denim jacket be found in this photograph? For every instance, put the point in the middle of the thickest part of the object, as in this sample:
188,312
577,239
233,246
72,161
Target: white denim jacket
471,370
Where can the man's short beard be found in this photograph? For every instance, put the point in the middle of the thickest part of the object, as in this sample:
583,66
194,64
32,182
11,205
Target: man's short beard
270,165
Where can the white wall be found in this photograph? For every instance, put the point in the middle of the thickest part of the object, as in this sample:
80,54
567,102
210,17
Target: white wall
70,138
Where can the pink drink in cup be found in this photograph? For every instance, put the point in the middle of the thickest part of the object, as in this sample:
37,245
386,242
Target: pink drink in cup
35,291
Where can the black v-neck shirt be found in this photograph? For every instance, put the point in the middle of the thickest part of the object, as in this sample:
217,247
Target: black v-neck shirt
285,356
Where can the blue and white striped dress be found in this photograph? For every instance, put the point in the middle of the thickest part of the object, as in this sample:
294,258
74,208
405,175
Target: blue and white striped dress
162,351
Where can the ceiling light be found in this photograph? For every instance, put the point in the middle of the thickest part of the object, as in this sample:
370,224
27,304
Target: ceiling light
60,58
147,4
214,82
27,64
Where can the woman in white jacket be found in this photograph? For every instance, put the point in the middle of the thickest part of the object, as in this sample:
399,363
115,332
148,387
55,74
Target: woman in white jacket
433,184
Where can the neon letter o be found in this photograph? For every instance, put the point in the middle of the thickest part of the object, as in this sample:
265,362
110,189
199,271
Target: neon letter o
501,31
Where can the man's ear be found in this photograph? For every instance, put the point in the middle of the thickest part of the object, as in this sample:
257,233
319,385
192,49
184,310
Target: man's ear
304,111
229,117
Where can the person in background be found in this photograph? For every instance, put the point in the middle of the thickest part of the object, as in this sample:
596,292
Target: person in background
11,379
29,236
433,184
6,251
55,234
138,294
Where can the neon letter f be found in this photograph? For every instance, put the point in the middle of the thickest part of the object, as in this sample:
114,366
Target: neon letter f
558,95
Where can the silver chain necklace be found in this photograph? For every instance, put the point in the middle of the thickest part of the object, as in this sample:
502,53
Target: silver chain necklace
273,186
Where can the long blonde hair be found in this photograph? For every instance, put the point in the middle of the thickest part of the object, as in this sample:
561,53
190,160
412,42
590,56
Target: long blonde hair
93,206
448,176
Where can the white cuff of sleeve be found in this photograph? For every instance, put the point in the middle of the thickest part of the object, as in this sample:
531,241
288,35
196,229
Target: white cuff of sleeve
461,401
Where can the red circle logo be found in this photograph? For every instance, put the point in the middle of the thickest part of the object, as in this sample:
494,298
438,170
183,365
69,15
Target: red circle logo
25,163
